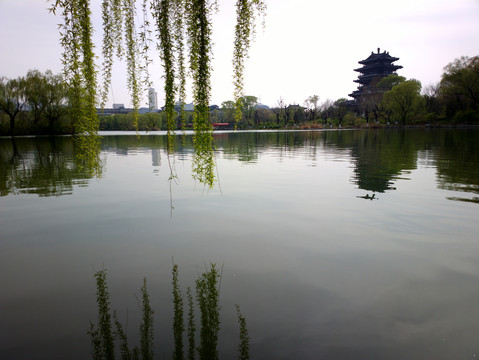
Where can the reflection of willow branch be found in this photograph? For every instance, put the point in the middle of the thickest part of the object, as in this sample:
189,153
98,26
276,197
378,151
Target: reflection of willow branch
87,148
218,175
203,159
173,177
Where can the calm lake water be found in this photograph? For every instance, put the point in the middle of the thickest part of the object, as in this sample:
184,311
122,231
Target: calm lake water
355,244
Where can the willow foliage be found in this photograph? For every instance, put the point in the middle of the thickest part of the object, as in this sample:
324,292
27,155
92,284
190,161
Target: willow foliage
163,14
118,25
243,346
87,149
179,39
177,22
107,48
78,61
191,325
178,326
207,296
112,16
146,326
102,336
199,29
244,33
131,52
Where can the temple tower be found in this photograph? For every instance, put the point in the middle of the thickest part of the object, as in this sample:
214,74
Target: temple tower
376,67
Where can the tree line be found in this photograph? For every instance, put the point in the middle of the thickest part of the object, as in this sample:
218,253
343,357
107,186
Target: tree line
453,100
34,104
39,103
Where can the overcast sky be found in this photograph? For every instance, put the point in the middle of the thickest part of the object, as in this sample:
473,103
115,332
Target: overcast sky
309,47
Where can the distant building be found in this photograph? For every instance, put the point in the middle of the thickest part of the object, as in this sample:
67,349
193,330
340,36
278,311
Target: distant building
376,67
118,106
186,107
152,99
115,110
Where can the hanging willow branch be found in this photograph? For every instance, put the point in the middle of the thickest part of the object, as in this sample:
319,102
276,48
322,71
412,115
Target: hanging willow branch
131,57
78,63
162,12
244,33
145,40
172,17
109,37
198,15
178,37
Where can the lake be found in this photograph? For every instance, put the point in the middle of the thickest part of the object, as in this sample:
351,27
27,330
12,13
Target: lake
341,244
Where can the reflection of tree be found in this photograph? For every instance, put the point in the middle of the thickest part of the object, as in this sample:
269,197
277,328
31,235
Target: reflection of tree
45,166
379,157
87,151
51,166
247,146
457,162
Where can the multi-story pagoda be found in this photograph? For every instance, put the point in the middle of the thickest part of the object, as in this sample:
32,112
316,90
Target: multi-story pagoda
375,67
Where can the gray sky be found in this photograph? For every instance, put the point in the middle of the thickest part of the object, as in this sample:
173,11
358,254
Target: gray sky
308,46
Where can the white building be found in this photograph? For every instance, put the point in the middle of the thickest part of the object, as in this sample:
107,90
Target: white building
152,99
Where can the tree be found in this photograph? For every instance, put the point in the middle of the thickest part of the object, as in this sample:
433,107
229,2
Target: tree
55,96
228,109
371,98
341,109
460,84
327,110
430,94
262,116
280,111
390,81
35,86
12,98
404,99
248,104
312,107
244,32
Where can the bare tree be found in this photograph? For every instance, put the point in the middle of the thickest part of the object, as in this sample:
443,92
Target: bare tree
312,107
280,111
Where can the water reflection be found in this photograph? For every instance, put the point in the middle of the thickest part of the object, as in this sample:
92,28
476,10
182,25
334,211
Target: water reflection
87,152
318,272
456,160
51,166
46,166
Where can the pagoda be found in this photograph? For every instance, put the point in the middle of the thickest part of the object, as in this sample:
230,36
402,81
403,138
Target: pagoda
375,67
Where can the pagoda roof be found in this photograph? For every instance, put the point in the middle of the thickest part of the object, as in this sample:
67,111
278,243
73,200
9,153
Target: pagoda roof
368,77
375,57
369,67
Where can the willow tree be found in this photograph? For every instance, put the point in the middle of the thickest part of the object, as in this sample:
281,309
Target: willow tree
81,77
244,33
199,28
179,36
177,22
78,61
163,11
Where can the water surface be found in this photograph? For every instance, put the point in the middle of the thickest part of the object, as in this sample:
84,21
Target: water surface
336,244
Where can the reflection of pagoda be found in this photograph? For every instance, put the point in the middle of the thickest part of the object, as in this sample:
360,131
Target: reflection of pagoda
375,67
